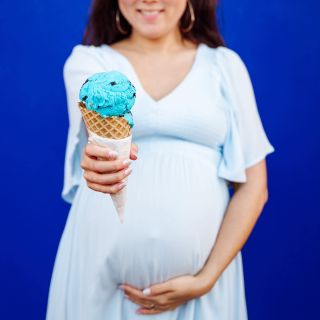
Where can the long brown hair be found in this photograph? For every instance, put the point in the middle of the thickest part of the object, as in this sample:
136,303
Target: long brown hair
102,29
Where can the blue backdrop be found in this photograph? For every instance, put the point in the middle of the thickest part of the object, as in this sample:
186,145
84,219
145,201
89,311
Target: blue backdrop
278,40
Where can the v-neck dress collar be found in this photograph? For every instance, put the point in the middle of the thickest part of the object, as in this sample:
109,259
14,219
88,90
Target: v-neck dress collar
137,81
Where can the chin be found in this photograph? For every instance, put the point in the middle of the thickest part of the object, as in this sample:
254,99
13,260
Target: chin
151,33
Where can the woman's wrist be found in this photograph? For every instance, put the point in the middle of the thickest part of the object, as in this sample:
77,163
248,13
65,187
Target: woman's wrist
206,281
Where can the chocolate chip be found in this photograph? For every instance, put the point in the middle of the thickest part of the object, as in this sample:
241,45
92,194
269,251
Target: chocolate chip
85,83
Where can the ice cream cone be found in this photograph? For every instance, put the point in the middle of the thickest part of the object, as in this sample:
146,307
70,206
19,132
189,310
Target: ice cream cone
106,102
115,133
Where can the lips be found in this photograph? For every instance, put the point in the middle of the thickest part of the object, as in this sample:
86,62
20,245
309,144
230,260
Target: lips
150,14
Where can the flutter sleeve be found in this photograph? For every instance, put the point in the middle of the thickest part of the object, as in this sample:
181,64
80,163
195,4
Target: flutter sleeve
81,63
246,141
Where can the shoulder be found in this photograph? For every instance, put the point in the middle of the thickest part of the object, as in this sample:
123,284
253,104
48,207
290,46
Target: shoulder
227,53
81,51
228,58
228,63
83,56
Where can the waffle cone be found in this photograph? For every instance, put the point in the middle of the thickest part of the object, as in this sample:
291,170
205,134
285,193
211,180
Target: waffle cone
109,127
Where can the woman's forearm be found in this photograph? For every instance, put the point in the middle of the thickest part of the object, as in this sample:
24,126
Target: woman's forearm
241,215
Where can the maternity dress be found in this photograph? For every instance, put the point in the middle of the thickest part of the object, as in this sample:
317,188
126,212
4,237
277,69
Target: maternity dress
191,142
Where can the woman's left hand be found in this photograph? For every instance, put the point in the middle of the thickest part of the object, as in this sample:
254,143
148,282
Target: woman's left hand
167,295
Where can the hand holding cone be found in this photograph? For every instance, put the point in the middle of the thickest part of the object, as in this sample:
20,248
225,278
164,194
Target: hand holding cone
106,101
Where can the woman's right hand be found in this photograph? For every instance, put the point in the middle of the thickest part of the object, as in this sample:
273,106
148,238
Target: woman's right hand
104,171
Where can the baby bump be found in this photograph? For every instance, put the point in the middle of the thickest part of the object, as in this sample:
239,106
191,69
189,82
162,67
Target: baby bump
175,205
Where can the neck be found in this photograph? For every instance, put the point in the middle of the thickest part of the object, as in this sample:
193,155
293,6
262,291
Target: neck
165,44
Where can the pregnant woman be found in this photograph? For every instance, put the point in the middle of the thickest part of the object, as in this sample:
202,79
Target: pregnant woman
199,134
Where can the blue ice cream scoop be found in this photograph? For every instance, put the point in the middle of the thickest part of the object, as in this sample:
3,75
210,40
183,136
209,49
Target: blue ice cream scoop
110,94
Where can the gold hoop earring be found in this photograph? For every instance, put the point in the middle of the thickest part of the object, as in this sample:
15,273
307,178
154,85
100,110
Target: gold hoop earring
118,23
192,18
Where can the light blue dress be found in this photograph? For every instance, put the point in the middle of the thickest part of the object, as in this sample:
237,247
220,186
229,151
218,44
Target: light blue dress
204,133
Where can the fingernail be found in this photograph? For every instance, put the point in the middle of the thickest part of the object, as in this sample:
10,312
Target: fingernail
121,286
146,291
126,296
127,171
113,154
127,161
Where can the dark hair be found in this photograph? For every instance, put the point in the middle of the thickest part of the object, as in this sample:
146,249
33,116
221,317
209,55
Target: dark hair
102,29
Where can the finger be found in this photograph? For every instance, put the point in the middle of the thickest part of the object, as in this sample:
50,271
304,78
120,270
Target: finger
106,178
137,295
138,302
158,288
107,166
134,148
160,300
134,151
150,311
132,292
96,151
143,302
106,189
158,309
157,293
133,156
